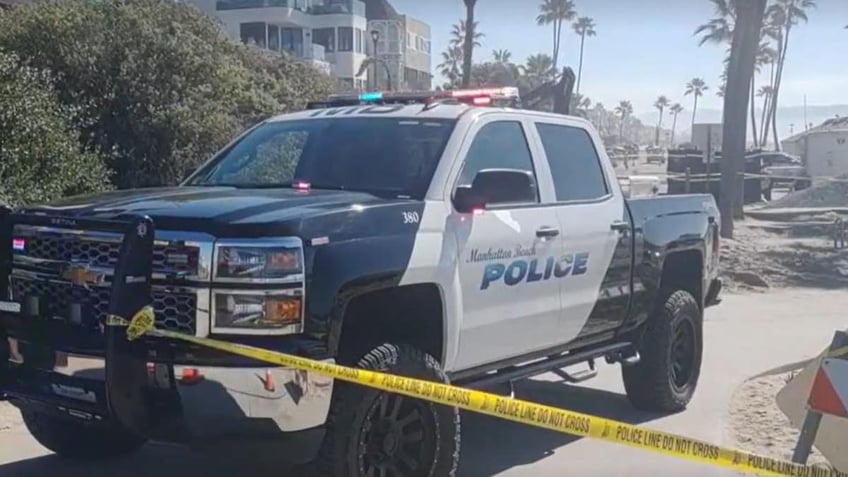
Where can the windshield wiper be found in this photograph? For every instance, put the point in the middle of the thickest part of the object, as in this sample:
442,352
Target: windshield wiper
242,185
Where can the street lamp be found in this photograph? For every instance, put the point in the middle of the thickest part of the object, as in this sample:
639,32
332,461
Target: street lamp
375,37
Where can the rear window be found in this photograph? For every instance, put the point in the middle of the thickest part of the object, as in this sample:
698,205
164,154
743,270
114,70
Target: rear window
393,157
574,162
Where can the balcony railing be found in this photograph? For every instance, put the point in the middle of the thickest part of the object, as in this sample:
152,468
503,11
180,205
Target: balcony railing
330,7
302,5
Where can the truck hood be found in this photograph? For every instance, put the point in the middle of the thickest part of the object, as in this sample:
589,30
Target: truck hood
216,210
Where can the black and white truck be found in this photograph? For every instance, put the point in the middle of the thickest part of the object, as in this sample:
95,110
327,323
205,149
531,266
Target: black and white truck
449,236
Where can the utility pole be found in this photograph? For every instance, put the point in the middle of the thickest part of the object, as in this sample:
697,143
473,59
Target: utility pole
805,113
740,70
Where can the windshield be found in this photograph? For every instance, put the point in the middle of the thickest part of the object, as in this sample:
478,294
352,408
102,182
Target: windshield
393,157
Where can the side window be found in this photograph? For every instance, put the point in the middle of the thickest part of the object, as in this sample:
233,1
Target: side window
497,145
575,165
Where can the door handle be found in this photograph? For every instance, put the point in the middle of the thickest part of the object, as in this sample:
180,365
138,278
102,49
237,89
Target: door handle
620,226
547,232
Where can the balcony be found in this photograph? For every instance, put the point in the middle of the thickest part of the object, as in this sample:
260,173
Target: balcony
302,5
313,7
344,7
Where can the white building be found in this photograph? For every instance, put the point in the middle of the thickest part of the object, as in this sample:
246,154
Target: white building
404,44
331,34
823,149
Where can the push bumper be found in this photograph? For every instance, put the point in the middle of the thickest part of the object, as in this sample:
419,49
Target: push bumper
213,402
45,364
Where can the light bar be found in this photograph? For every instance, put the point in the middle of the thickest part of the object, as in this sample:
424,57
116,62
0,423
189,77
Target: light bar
505,92
475,97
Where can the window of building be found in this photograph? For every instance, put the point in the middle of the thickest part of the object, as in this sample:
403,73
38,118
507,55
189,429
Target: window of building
394,39
253,33
274,37
358,40
325,37
499,144
292,40
345,39
345,84
575,165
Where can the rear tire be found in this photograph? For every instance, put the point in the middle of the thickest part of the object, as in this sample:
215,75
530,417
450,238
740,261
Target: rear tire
671,349
79,442
369,430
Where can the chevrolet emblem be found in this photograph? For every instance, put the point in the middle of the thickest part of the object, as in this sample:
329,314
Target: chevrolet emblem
82,275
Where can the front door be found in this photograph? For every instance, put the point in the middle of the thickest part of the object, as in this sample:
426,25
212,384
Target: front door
596,230
506,258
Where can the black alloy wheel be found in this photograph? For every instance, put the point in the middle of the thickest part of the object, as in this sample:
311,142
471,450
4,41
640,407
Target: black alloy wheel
399,434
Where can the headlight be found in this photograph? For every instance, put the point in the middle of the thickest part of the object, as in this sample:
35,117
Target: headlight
257,312
263,262
273,269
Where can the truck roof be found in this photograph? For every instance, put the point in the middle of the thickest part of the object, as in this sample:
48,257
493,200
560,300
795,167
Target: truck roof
416,104
442,111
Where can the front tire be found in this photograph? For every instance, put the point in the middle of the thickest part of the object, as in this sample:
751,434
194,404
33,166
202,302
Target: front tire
75,441
370,432
671,349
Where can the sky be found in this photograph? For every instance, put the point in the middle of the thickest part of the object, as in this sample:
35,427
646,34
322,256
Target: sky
646,48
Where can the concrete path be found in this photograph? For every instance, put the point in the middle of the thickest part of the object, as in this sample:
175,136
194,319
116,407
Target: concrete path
744,336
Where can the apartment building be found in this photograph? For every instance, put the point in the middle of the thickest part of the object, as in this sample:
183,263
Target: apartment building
330,34
403,43
336,36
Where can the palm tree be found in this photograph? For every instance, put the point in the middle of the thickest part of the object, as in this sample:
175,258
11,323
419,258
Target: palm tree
451,65
502,56
661,103
458,34
719,30
466,34
581,104
623,110
584,26
601,117
783,15
696,87
764,92
676,109
555,12
538,69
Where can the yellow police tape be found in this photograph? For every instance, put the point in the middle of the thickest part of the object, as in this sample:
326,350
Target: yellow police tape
537,415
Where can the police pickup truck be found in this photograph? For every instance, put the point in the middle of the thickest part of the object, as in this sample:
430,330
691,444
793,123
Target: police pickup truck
451,236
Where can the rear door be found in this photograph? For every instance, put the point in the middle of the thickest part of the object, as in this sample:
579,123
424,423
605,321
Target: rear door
596,229
510,299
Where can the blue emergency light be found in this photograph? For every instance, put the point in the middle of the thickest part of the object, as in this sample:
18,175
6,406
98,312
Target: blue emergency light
368,97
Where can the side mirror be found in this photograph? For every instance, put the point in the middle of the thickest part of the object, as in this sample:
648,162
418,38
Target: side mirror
496,186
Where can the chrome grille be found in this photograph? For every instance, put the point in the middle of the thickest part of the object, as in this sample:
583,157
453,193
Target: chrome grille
168,258
42,251
175,309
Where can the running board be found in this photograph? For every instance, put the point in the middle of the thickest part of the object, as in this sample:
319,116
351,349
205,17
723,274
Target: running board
577,376
613,353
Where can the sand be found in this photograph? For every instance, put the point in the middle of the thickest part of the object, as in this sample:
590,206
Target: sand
827,194
9,417
757,425
770,254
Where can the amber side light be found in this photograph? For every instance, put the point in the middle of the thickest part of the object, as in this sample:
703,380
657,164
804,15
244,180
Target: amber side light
283,311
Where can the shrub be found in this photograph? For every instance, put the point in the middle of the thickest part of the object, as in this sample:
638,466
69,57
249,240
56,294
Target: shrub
40,156
158,84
